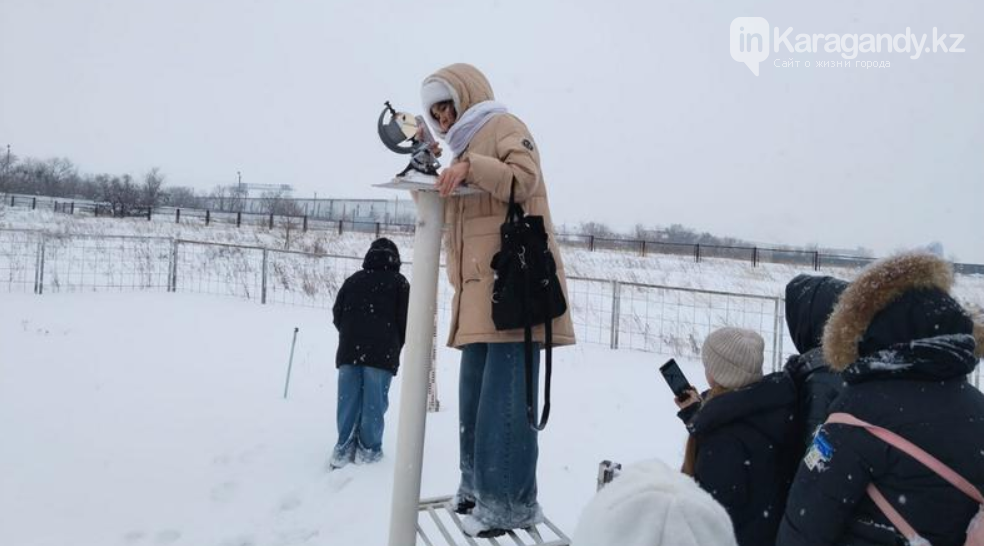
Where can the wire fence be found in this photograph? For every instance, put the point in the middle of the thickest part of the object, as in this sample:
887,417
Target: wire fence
670,320
665,320
753,255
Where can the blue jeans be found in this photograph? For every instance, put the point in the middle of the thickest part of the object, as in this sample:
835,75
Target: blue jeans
363,397
498,447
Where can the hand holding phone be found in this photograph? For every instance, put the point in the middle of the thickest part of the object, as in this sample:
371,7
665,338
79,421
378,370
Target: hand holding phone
676,380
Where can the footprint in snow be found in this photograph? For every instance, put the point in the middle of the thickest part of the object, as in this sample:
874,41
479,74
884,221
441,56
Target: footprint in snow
134,537
224,492
169,536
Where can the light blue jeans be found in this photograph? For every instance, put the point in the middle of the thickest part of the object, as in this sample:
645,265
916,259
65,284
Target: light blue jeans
363,397
498,447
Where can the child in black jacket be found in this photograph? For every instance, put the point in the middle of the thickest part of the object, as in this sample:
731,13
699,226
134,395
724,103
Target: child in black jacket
370,313
742,434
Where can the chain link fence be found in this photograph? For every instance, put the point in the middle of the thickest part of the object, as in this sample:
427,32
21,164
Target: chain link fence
665,320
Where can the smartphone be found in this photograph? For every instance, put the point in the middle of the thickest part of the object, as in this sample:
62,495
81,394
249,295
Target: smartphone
675,379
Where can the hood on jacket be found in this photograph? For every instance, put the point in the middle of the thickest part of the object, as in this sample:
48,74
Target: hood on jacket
383,254
462,83
809,301
896,301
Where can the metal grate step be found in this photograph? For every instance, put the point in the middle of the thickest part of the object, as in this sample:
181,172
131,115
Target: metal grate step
439,525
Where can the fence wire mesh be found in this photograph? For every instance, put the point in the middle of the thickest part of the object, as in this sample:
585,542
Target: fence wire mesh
218,270
670,321
308,280
105,263
19,251
675,321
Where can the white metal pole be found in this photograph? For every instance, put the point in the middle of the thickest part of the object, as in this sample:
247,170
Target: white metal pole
416,367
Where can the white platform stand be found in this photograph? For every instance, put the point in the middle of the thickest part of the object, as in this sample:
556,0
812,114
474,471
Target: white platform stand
443,523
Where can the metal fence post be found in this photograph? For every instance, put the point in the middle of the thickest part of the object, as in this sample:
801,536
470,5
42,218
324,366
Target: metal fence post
755,256
37,266
777,334
172,277
616,310
263,285
816,261
34,203
271,220
643,248
73,208
41,269
377,230
305,223
208,217
150,213
591,243
177,216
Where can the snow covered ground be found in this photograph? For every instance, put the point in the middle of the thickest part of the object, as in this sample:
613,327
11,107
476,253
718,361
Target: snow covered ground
156,419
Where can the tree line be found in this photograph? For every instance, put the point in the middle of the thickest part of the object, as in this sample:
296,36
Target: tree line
124,193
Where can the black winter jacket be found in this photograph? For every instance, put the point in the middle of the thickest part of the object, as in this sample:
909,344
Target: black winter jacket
809,302
919,390
743,442
370,311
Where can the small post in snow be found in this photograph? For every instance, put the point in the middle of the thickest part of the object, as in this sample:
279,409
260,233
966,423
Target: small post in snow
290,362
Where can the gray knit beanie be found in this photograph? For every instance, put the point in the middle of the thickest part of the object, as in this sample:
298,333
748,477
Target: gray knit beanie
733,357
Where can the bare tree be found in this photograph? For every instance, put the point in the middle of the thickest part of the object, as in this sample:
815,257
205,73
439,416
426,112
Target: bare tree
151,192
120,192
181,196
225,198
277,202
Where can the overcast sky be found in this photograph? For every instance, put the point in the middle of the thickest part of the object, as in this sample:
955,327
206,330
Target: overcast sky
640,112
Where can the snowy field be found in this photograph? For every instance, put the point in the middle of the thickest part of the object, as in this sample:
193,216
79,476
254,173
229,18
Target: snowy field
155,419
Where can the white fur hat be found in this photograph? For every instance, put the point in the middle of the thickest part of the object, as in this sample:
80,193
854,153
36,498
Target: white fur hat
650,504
433,91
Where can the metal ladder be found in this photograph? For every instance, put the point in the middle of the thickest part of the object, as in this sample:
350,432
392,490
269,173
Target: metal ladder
443,523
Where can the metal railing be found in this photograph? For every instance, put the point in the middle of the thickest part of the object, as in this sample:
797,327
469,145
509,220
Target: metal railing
666,320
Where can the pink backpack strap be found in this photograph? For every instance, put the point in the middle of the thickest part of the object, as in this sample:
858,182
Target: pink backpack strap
913,451
893,515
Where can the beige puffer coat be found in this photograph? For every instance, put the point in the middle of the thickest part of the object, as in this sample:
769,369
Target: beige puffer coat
502,151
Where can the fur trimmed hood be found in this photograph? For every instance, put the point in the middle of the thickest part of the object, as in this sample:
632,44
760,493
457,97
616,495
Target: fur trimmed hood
876,289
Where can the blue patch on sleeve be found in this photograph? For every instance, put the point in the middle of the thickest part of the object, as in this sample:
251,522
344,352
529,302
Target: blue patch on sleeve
823,445
820,452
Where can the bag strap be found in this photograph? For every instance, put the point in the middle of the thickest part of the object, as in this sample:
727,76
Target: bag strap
514,212
893,515
917,453
528,357
914,451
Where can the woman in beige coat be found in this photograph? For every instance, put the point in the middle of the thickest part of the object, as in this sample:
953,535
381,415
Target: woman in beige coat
493,151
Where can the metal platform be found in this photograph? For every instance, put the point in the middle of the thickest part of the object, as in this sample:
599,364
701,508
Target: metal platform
439,525
422,182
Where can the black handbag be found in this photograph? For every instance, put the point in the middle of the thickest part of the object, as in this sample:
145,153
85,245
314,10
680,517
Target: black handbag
527,292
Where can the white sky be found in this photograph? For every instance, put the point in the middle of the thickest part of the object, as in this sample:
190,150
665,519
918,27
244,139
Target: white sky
640,112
